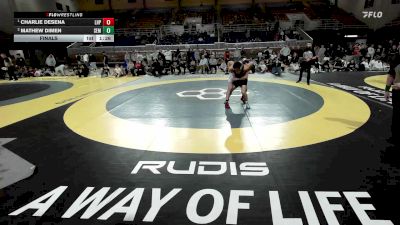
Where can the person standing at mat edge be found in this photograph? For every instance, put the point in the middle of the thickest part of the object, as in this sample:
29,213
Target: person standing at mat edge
9,67
305,65
238,77
393,81
106,69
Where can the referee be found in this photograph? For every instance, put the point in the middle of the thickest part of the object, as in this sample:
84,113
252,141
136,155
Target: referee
305,65
393,81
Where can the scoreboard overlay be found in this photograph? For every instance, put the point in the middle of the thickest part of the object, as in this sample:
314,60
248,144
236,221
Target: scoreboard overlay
62,27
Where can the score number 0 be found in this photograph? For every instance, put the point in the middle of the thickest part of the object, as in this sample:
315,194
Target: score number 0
108,21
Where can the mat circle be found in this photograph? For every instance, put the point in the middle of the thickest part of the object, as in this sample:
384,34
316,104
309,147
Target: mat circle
341,114
199,105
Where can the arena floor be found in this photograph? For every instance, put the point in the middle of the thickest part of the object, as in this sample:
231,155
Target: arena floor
165,151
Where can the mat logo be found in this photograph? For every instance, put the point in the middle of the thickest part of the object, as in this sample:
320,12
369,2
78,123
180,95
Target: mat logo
372,14
367,91
204,168
207,94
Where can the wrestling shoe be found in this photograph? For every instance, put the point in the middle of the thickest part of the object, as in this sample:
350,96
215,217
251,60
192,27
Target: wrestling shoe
247,105
227,106
242,99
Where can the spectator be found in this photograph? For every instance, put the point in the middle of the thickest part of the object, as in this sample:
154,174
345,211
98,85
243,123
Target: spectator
339,52
316,49
160,56
380,51
338,64
330,51
376,65
364,66
30,72
106,69
227,56
157,68
262,68
182,65
356,50
284,53
189,55
295,58
327,64
131,68
192,67
177,54
38,72
197,55
83,71
392,53
78,59
145,64
242,53
276,67
267,53
9,67
321,53
351,66
213,64
203,65
118,72
371,52
60,69
134,56
273,56
236,54
51,62
20,65
139,68
174,65
223,67
20,61
260,56
92,62
86,59
3,69
363,50
294,62
127,57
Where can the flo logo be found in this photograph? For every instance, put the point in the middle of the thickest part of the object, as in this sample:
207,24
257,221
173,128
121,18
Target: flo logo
372,14
207,94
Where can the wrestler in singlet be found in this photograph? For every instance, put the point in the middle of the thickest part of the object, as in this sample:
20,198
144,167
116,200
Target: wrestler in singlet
238,83
238,78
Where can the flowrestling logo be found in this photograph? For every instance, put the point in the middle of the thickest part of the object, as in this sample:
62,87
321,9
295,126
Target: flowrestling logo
372,14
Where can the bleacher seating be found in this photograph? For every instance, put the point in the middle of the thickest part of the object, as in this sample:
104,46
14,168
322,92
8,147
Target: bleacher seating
240,23
243,16
393,23
150,18
207,15
345,18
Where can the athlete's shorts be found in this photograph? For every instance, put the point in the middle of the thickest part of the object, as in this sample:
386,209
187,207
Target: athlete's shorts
239,83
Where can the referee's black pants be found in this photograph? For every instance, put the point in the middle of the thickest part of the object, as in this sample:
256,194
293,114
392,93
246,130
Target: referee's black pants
305,66
396,115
